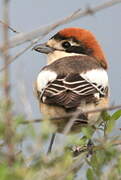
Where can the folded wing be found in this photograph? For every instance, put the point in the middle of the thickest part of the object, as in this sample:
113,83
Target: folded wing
71,90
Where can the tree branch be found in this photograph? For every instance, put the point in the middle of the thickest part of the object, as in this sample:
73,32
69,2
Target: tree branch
13,58
6,87
9,27
70,115
42,31
78,112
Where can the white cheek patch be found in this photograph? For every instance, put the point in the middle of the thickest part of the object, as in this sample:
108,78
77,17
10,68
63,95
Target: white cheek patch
43,78
98,76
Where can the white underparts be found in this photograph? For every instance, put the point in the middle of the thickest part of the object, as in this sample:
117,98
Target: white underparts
60,54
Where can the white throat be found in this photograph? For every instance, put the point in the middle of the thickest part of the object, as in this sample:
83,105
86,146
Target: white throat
60,54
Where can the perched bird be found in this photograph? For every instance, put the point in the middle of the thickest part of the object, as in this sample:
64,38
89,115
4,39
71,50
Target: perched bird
75,77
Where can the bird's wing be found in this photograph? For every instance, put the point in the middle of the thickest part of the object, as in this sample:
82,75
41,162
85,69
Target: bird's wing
70,90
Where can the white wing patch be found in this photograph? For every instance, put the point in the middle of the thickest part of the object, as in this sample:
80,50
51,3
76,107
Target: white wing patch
98,76
70,89
43,78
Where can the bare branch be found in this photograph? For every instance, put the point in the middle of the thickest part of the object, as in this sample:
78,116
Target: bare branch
76,114
6,87
70,115
9,27
71,122
42,31
13,58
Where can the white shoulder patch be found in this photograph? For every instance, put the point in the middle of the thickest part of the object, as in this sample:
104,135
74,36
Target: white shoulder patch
98,76
44,77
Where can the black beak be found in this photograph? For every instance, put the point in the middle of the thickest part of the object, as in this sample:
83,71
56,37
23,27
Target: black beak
43,48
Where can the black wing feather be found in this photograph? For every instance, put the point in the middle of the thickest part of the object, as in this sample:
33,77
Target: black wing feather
69,91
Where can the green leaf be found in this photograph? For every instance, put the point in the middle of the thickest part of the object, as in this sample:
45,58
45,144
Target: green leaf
106,116
109,126
116,115
83,141
111,122
2,129
87,131
90,175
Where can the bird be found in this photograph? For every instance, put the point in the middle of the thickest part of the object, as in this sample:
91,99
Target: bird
74,78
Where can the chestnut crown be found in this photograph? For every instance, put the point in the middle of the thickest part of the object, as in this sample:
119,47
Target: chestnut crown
80,41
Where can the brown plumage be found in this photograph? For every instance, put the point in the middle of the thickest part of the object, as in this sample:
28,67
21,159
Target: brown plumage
75,77
69,88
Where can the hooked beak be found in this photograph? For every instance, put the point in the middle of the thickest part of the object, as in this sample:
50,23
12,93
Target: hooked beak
43,48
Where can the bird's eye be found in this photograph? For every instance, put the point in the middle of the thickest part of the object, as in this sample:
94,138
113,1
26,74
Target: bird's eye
66,44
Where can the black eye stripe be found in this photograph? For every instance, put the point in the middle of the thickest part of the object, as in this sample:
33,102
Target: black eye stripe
80,50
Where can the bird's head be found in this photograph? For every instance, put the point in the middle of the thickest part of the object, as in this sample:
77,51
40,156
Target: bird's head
71,42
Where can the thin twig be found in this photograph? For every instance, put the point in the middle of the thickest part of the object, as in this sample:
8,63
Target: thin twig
13,58
6,87
71,121
70,115
116,142
42,31
82,149
9,27
76,114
